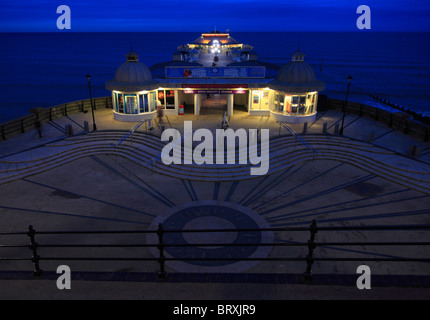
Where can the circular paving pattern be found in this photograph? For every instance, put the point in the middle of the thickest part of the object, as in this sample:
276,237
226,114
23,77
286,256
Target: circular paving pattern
203,215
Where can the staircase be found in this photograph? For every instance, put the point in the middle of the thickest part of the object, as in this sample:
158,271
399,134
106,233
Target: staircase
285,152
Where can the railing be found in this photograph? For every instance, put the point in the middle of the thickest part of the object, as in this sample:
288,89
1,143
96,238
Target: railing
158,157
28,122
400,121
298,138
312,245
130,133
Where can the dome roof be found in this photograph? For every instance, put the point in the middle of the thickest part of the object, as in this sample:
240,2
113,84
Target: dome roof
132,75
296,76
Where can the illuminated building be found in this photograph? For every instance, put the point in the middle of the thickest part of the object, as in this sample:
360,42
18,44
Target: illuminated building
216,64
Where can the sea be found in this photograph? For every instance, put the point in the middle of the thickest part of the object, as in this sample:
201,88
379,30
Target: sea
47,69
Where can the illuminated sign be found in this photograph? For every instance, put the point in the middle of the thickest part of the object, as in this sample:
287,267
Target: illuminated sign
214,91
215,72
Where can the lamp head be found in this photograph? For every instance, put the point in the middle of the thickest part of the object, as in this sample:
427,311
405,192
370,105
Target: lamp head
88,77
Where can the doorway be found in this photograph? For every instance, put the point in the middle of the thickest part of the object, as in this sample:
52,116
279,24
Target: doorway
213,103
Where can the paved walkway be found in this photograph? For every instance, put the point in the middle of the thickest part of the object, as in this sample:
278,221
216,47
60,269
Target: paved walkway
108,192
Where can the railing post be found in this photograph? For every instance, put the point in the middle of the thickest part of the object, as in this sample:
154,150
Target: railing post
33,247
162,274
309,257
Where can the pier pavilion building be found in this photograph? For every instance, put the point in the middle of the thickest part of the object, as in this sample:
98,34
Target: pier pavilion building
216,65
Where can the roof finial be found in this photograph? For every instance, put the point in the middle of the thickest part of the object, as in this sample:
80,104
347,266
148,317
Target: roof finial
298,49
131,45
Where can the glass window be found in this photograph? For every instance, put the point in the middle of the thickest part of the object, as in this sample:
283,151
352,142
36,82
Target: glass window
115,101
152,101
265,100
302,100
120,103
161,98
276,101
256,99
281,103
288,103
302,109
170,99
130,104
141,104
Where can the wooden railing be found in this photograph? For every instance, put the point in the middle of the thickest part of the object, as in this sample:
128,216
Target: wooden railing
401,121
28,122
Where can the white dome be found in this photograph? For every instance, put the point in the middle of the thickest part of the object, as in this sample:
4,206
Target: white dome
132,75
133,70
296,76
296,70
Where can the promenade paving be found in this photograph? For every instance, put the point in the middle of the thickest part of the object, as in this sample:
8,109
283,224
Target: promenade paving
110,192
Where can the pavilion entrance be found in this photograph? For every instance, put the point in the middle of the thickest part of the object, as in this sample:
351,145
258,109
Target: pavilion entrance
213,103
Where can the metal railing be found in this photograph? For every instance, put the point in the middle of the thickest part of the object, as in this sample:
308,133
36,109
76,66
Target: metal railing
156,159
298,138
130,133
161,245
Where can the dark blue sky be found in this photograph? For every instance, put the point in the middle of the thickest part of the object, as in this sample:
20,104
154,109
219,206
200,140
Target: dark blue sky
192,15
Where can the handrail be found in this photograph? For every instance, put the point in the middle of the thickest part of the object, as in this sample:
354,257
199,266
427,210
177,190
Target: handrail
297,136
132,130
161,245
158,158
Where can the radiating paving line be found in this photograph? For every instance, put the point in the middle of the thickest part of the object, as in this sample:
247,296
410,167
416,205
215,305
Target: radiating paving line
348,209
255,188
89,198
231,190
316,195
425,151
357,218
190,184
337,121
347,125
319,117
56,126
351,201
172,204
72,215
190,194
217,186
384,134
258,190
124,177
282,195
75,122
271,185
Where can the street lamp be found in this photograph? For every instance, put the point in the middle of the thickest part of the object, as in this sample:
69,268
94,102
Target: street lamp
91,101
346,103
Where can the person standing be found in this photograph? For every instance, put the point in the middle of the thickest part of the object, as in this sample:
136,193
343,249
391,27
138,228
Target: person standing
160,115
38,126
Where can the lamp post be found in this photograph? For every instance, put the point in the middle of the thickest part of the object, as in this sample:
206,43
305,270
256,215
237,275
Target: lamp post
91,101
346,103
